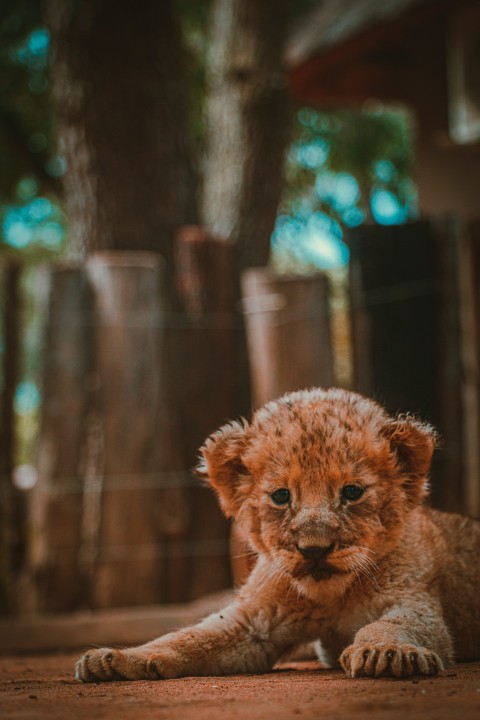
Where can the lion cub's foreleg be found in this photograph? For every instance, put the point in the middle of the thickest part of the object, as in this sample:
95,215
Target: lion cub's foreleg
410,639
248,636
224,643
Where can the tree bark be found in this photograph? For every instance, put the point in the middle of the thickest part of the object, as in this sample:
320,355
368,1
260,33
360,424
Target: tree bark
247,124
122,127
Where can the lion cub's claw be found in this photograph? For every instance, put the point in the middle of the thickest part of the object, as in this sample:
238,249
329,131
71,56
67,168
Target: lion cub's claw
106,664
95,666
376,660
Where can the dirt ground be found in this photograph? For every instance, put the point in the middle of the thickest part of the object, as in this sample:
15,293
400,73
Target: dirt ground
42,687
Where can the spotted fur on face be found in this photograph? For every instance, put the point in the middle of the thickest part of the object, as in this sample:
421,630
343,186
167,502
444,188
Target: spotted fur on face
346,475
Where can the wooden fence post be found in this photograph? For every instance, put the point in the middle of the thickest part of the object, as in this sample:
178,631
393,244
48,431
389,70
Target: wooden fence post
288,332
139,499
56,499
110,509
211,380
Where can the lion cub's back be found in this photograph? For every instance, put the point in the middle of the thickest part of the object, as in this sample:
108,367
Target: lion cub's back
458,562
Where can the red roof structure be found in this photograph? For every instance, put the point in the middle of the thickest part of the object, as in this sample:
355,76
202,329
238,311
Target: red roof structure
424,54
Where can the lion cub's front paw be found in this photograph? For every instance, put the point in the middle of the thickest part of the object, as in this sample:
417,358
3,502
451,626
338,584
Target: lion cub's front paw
376,659
107,664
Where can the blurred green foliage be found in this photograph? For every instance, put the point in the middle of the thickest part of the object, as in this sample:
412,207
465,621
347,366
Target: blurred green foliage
373,145
343,168
30,216
25,108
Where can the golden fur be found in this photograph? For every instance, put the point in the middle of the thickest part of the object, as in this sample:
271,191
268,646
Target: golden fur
384,584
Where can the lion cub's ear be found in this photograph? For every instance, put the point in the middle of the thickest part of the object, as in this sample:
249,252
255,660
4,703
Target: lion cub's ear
223,468
413,443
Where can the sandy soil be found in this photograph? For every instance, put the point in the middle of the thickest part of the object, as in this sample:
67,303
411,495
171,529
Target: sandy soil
42,687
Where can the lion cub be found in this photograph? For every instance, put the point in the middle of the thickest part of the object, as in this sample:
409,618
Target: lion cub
328,490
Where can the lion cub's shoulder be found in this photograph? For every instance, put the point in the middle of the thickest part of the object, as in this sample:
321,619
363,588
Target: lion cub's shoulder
456,538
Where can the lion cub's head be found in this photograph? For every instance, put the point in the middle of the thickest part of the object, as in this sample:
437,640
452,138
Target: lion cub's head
321,481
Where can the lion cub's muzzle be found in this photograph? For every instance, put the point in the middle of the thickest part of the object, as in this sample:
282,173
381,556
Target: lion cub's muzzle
315,564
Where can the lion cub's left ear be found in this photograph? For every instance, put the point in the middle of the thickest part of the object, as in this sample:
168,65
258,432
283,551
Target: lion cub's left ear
413,443
223,468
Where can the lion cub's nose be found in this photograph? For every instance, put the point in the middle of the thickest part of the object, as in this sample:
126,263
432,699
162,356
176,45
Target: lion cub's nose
314,552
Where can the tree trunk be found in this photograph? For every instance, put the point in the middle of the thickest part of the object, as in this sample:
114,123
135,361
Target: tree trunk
247,123
117,75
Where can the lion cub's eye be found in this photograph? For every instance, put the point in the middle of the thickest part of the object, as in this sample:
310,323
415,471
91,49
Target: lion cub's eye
281,496
352,492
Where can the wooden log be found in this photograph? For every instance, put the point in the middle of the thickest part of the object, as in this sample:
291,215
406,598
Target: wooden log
135,496
288,333
210,385
12,506
56,499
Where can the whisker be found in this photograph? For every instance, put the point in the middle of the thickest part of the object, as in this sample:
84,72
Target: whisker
368,549
351,566
245,554
368,568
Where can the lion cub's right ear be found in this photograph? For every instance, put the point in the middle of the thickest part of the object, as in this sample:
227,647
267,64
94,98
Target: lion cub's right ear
222,466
